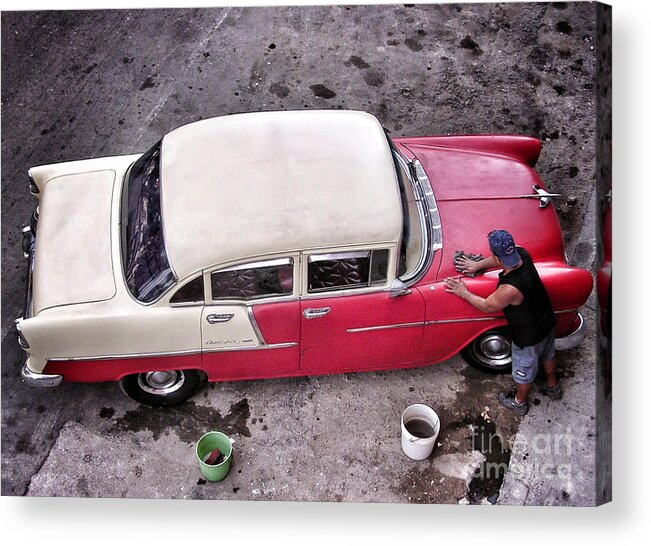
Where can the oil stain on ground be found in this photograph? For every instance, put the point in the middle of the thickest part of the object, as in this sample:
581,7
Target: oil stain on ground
188,420
321,91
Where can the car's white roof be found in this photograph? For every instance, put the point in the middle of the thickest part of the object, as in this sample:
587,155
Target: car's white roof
244,185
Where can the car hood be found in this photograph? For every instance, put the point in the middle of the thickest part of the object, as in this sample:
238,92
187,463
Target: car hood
72,260
478,192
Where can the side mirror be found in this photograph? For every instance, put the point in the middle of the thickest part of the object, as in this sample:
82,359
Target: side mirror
398,288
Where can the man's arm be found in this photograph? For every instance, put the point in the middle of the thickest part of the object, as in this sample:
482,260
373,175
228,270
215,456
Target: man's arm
498,300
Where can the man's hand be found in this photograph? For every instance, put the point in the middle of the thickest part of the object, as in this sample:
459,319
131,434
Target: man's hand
456,286
466,266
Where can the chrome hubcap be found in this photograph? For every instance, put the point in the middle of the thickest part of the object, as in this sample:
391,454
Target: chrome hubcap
161,382
493,349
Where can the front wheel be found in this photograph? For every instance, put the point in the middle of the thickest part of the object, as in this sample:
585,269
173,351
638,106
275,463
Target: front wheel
490,352
162,388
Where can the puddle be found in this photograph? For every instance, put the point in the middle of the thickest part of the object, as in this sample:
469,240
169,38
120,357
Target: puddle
488,478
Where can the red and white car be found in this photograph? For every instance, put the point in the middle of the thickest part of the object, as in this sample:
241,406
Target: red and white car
279,244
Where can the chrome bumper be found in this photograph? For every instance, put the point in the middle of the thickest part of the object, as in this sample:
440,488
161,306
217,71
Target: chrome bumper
574,339
42,380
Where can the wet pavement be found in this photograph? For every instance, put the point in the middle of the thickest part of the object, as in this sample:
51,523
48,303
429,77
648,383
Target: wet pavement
89,84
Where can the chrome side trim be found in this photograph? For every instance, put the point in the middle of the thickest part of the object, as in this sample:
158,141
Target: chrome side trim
254,348
254,324
445,321
146,355
40,380
565,311
387,327
121,357
474,319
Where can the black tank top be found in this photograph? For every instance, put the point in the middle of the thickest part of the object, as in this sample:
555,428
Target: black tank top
532,320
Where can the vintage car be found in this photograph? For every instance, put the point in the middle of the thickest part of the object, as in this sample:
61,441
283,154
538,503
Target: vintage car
279,244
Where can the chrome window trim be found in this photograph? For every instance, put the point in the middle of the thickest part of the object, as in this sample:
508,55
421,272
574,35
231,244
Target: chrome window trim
122,231
430,224
187,304
339,256
254,265
357,291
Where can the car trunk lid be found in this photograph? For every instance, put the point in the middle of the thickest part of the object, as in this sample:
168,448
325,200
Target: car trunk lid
72,262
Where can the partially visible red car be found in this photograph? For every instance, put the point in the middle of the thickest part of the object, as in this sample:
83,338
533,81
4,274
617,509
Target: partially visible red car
279,244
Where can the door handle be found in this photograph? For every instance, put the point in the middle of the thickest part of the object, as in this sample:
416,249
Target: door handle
316,313
214,319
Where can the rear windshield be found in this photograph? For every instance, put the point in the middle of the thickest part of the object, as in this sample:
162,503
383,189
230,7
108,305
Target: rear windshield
146,268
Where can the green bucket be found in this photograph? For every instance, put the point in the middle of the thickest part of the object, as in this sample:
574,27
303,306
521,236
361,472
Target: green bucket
205,446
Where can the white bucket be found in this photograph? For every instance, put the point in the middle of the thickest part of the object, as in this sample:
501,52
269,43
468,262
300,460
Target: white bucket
425,423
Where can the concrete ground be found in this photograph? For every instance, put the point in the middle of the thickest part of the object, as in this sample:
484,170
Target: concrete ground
88,84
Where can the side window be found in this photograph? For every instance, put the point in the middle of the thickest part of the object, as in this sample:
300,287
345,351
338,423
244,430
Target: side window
191,292
345,270
256,280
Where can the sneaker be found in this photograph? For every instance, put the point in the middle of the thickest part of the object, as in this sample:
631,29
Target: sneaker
507,399
555,392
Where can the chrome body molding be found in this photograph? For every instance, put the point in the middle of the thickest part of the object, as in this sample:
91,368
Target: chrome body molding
473,319
387,327
564,311
122,357
492,317
191,352
40,380
574,339
254,348
254,324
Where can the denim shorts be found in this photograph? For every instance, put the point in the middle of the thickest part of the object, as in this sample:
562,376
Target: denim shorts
527,359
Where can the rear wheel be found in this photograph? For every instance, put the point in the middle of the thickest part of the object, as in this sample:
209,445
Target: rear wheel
490,352
163,387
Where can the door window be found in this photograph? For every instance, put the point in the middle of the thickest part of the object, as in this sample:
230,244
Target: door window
191,292
254,280
347,270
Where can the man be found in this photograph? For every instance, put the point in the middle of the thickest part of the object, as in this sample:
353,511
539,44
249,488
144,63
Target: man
521,295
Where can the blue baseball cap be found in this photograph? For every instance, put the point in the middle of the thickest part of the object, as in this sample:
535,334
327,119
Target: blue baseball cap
503,246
